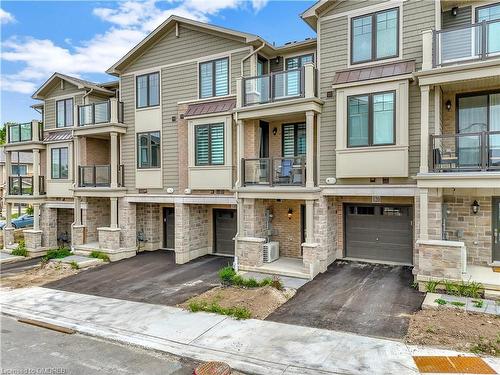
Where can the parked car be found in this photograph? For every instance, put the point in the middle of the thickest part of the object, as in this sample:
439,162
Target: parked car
22,221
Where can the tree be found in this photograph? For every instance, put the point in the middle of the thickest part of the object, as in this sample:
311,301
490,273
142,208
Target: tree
3,134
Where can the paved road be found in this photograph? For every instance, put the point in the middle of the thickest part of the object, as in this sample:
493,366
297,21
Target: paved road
151,277
368,299
27,347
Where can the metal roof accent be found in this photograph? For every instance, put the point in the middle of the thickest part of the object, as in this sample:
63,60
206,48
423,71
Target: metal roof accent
374,72
58,136
205,108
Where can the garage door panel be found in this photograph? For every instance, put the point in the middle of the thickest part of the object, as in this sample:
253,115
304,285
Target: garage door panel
225,227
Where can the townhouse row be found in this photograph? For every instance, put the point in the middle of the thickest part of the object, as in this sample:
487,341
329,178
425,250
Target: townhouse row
378,140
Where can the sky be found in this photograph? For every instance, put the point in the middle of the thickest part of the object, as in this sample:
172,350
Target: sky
84,38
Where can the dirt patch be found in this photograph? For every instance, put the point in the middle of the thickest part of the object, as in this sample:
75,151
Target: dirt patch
259,301
455,330
38,276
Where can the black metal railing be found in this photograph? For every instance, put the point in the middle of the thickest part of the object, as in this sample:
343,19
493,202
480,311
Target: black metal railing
478,41
273,87
98,113
272,171
24,132
478,151
98,176
23,185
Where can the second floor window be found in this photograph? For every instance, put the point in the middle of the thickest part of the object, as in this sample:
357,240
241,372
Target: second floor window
209,144
19,170
148,150
148,90
294,140
64,113
375,36
298,61
371,119
59,163
214,78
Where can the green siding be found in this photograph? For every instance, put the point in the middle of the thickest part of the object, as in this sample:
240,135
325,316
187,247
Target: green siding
128,139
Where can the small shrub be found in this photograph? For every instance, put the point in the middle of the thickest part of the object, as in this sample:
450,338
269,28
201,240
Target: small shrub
99,255
473,289
20,250
478,303
457,303
440,301
431,286
450,287
214,307
60,253
226,274
74,265
251,283
30,210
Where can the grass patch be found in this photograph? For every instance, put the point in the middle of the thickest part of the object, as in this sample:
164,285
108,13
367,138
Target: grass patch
478,303
484,346
214,307
228,276
440,301
60,253
431,286
74,265
457,303
99,255
20,250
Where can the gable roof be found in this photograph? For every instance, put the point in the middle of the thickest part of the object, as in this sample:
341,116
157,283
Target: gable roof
310,15
169,24
80,83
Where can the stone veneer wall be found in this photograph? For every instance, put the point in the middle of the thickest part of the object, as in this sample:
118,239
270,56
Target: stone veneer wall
65,218
150,222
325,231
476,228
287,232
48,226
127,214
97,215
191,231
254,224
439,260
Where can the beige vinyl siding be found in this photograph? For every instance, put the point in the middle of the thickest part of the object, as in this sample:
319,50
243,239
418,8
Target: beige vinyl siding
190,44
350,5
128,139
50,102
418,15
463,18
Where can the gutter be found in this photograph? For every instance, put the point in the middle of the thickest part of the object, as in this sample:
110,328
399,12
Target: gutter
250,55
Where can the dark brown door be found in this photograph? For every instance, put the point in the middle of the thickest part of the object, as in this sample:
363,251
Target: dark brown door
496,229
225,226
168,227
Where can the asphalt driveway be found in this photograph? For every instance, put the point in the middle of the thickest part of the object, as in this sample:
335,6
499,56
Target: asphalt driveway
367,299
151,277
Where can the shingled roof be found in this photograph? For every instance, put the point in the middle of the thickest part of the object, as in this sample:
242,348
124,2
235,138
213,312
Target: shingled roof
374,72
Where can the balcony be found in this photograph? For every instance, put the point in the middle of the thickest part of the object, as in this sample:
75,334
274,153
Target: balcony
26,132
108,112
274,171
469,152
23,185
98,176
465,44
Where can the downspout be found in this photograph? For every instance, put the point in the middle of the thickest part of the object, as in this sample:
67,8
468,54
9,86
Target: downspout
250,55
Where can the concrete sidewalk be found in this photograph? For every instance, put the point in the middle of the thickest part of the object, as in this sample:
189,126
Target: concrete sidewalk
253,346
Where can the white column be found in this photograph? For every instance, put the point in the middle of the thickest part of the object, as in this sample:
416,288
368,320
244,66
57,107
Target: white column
240,151
35,134
36,217
114,212
424,206
239,92
36,172
77,163
310,149
114,160
113,107
309,221
424,129
427,49
309,80
78,211
8,171
8,219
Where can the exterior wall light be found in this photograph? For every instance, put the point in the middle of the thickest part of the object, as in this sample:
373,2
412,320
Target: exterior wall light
275,131
475,207
290,213
448,105
454,11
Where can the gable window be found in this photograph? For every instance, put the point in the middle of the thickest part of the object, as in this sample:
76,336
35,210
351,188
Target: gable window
298,61
59,163
64,113
214,78
375,36
148,150
294,140
148,90
209,144
371,119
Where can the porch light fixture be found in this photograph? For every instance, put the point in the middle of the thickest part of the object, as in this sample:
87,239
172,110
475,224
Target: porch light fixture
475,207
275,131
454,11
290,212
448,105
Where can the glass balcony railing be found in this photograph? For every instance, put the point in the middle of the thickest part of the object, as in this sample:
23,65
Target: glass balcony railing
478,41
465,152
23,185
98,176
274,171
26,132
100,113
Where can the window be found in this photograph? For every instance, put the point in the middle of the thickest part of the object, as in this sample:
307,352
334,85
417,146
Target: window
298,61
209,144
64,113
148,90
148,150
371,119
490,13
294,140
19,170
214,78
59,163
375,36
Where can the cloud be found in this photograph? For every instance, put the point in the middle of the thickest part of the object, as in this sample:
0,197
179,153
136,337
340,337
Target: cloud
6,17
129,23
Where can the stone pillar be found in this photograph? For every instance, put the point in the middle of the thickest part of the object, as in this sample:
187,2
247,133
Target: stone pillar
127,220
36,172
309,221
8,215
48,226
181,233
423,206
77,234
191,232
8,237
33,240
78,211
424,129
36,216
309,149
114,212
114,160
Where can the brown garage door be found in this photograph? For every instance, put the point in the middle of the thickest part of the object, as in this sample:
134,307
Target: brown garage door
225,226
378,232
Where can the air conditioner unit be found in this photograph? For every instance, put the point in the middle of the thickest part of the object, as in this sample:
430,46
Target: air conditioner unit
271,251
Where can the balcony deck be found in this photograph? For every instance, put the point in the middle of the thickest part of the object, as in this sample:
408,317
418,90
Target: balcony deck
100,118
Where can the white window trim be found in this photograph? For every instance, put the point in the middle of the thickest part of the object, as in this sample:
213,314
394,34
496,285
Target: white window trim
481,5
69,146
149,71
201,61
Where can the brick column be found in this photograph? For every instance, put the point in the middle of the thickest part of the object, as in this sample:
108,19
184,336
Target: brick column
48,226
109,238
77,234
149,221
191,232
127,221
33,240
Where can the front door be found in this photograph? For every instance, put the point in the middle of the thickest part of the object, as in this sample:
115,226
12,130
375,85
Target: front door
496,229
225,227
168,227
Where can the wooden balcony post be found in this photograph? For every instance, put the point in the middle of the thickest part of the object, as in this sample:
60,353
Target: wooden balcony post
114,160
36,172
424,129
310,149
427,46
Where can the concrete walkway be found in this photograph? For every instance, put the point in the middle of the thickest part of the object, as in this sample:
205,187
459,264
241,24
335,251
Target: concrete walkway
253,346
